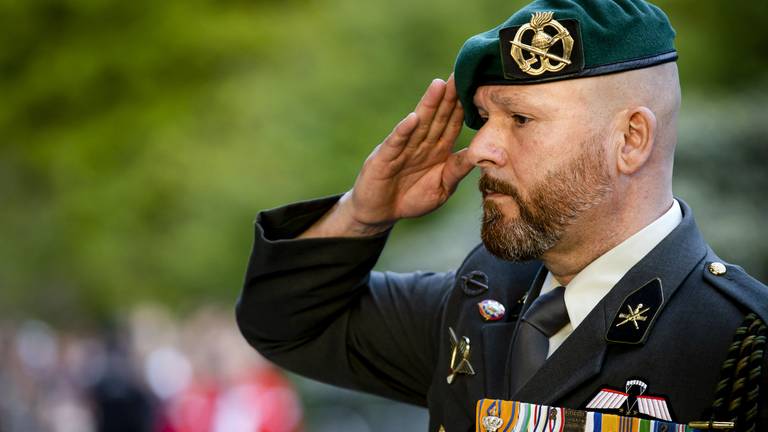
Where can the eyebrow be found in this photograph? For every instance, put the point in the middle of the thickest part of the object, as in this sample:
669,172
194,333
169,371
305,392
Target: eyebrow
505,101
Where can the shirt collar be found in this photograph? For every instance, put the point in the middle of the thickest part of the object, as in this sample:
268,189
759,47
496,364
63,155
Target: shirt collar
588,287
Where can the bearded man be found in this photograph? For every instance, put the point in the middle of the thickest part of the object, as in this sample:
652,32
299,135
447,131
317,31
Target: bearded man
592,288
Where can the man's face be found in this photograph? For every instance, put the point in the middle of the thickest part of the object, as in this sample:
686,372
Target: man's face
542,152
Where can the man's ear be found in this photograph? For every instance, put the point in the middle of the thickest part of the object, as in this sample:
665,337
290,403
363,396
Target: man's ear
639,132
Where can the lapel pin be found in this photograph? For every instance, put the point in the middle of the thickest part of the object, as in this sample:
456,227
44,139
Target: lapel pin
459,356
491,310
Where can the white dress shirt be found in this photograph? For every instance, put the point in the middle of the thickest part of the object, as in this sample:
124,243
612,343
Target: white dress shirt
592,283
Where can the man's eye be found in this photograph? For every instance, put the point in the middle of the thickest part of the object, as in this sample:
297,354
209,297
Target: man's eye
520,119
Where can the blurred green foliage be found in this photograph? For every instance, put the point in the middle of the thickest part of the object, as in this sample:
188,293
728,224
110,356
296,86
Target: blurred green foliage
140,138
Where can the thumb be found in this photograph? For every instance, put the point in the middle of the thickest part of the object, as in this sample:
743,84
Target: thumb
456,168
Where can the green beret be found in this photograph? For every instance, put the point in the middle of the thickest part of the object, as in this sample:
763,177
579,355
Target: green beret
550,40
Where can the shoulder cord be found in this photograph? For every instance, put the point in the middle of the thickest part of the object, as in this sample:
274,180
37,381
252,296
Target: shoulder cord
737,392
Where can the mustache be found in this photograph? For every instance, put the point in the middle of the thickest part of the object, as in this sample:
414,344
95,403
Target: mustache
488,184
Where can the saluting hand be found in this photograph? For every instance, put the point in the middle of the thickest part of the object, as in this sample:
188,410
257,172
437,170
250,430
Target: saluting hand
411,173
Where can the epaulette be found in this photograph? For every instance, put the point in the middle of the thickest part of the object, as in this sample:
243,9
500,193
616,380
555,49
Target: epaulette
737,393
735,283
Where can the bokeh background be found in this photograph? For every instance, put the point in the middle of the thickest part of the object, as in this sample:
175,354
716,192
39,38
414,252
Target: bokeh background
139,139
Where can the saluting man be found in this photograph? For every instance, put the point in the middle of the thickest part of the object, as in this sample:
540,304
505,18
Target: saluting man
593,303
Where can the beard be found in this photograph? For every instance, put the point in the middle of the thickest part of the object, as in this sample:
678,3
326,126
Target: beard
553,205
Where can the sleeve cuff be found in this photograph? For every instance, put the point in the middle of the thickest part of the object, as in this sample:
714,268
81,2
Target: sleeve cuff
276,245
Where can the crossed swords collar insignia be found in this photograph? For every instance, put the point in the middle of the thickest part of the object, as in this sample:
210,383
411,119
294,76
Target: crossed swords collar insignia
636,315
543,45
460,350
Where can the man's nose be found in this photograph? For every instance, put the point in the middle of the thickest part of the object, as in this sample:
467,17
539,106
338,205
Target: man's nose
486,150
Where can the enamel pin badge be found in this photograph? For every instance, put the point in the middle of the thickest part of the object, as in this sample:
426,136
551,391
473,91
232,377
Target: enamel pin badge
491,310
459,356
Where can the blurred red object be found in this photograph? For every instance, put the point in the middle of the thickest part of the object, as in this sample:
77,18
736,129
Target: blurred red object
260,401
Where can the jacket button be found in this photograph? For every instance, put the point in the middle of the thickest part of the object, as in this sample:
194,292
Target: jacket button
717,268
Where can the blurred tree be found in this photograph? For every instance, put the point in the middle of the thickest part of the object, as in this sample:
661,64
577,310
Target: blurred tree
140,138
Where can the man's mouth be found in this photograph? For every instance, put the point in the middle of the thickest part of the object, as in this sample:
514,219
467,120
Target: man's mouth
492,188
490,193
487,190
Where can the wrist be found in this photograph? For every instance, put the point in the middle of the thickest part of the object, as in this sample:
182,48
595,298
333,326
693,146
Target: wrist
341,221
347,217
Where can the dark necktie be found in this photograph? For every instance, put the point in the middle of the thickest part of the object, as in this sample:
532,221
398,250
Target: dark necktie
546,316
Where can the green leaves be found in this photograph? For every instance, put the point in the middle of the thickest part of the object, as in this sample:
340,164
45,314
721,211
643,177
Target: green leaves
139,139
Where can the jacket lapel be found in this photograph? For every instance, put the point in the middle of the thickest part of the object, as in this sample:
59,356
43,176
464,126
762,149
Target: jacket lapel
498,338
579,358
581,355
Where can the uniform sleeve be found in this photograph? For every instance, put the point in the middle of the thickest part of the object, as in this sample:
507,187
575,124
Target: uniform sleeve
315,307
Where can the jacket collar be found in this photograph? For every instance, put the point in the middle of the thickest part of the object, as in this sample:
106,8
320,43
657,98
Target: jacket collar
581,355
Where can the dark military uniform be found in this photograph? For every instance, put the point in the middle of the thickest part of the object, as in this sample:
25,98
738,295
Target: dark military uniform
315,307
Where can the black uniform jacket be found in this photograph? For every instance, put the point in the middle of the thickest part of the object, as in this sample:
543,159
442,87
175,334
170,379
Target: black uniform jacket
313,306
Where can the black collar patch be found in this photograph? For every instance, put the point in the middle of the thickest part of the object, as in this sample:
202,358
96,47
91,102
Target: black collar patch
636,315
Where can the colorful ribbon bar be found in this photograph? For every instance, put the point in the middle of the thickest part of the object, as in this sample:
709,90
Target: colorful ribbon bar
495,415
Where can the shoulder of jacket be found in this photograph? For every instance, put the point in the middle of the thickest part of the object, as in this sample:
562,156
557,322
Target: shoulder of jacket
735,283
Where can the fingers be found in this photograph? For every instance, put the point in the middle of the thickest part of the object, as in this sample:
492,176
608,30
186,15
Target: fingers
456,168
438,117
394,143
404,129
426,109
444,112
454,125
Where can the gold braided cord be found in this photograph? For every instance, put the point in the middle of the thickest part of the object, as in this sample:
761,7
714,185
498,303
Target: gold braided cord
738,390
722,390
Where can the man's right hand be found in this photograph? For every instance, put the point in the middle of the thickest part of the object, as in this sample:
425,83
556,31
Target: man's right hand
411,173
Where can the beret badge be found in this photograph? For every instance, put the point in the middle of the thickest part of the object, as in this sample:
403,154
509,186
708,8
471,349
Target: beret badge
540,45
541,49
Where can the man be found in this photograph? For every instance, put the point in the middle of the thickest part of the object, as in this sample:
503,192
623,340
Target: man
593,288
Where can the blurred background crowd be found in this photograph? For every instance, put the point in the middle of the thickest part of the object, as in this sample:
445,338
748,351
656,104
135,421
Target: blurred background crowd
153,374
139,139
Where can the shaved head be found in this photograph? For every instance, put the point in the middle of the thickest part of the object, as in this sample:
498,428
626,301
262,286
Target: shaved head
657,88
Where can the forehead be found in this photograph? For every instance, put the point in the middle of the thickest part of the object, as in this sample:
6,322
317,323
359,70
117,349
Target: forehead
547,96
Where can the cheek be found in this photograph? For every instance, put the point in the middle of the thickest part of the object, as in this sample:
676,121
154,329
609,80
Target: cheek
534,158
